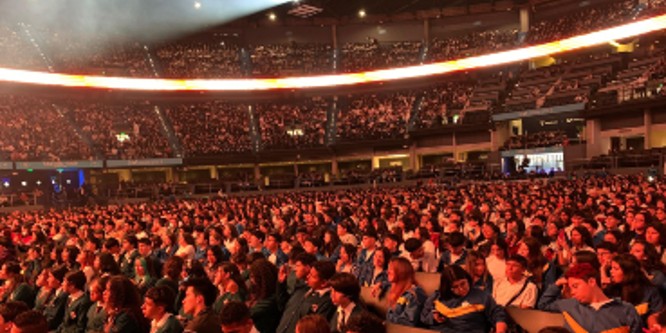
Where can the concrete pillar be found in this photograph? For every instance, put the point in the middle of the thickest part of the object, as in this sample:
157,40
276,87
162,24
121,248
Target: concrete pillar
334,167
426,31
593,137
213,173
334,36
647,123
414,164
257,172
524,19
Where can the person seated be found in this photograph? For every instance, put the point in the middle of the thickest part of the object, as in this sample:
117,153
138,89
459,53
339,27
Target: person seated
589,309
404,297
458,307
235,317
158,308
515,289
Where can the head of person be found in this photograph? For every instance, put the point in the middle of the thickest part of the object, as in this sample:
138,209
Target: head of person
347,253
515,267
29,321
97,287
414,247
626,269
401,275
605,252
263,278
200,294
365,322
381,258
235,318
173,267
456,242
584,281
476,264
312,324
345,289
302,265
158,301
145,246
320,273
454,282
74,282
121,293
8,313
369,240
56,277
589,257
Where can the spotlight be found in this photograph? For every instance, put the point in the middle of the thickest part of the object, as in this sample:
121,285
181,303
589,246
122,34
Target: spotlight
24,183
272,16
197,5
361,13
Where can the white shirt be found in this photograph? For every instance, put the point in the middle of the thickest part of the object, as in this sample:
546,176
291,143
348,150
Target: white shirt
157,324
428,262
496,267
346,311
504,291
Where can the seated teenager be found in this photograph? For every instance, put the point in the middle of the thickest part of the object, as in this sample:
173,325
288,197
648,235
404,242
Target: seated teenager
458,307
589,309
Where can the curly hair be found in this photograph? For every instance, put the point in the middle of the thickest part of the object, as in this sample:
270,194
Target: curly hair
263,275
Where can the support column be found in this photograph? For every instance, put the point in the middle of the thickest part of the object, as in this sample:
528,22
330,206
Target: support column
334,167
334,36
426,31
647,123
257,172
414,164
213,173
593,138
524,19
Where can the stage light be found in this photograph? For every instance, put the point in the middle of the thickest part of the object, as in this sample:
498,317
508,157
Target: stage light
361,13
197,5
272,16
304,82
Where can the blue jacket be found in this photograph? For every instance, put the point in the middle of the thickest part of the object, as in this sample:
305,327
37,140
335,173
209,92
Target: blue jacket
477,312
612,315
366,278
445,260
485,284
407,310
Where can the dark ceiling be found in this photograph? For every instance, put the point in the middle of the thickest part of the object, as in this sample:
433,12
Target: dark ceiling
349,9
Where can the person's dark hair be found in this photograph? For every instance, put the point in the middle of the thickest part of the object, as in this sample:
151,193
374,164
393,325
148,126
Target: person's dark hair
11,309
235,275
634,282
145,241
313,323
612,248
351,251
450,275
263,275
325,269
347,284
413,244
111,243
31,321
519,259
202,287
584,272
535,258
276,236
77,280
587,257
254,256
108,264
652,260
365,322
456,239
234,312
260,235
306,259
330,247
173,267
162,296
123,294
585,235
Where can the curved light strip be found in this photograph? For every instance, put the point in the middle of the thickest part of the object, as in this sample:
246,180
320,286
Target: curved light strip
569,44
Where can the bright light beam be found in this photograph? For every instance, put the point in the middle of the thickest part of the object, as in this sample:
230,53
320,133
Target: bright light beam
139,84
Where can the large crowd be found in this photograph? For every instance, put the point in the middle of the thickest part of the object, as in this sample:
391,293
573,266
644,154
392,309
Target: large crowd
447,258
211,128
375,116
293,125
